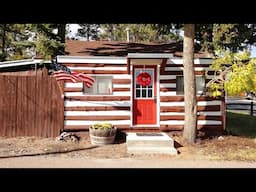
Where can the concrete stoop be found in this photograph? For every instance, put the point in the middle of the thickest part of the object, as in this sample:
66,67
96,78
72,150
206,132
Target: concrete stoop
150,143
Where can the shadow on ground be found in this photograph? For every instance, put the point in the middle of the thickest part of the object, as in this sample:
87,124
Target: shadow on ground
120,137
48,153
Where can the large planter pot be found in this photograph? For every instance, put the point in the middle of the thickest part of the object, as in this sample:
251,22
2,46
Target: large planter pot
102,136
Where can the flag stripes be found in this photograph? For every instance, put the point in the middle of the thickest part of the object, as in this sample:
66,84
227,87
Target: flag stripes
63,73
87,80
74,77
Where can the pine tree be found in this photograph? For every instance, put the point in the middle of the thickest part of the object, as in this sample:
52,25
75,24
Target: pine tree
21,41
139,33
90,31
49,39
15,42
4,28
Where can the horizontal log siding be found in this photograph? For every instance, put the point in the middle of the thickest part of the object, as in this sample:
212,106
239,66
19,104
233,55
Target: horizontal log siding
172,105
83,110
97,98
217,128
97,108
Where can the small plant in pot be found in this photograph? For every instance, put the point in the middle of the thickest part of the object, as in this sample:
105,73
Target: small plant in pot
102,133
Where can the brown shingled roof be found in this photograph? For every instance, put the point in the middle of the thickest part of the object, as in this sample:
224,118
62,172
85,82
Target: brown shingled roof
116,48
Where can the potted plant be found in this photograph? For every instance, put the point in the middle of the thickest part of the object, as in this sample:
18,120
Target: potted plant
102,133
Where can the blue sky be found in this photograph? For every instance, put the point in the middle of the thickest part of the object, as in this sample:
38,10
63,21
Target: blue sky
73,28
253,53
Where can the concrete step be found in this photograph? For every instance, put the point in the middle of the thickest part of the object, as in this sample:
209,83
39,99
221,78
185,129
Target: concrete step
155,150
150,143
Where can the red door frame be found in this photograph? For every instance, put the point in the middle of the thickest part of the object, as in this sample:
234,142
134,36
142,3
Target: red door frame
148,115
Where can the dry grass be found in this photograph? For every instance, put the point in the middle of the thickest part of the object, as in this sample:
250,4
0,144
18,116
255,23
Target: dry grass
231,148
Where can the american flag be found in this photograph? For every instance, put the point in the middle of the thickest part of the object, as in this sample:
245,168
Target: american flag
63,76
87,80
64,73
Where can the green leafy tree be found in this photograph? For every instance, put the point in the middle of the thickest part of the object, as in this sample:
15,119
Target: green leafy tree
204,36
108,31
235,74
233,37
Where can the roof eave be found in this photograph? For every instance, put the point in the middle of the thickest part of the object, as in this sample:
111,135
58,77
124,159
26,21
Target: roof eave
149,55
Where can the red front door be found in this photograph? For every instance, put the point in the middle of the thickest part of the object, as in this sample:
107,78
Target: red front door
144,95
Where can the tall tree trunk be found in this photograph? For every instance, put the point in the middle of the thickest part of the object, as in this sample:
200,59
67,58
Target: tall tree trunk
62,35
190,126
88,33
111,31
3,57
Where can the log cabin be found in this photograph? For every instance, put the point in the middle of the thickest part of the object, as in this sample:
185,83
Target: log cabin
138,87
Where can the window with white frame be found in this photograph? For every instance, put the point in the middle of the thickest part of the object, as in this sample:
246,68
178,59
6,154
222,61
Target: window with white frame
101,86
200,85
144,91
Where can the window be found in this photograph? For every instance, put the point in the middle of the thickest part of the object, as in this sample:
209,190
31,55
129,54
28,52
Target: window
101,86
200,85
144,92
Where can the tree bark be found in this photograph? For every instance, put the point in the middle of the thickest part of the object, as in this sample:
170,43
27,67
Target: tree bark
190,126
62,35
4,55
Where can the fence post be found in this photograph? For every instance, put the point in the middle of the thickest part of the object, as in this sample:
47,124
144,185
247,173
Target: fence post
251,112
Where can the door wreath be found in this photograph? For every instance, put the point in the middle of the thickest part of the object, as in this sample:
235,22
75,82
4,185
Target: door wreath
144,79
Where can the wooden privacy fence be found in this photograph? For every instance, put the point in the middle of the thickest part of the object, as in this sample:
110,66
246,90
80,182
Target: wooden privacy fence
30,105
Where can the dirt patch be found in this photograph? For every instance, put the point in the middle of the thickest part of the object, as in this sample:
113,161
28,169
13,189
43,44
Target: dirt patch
229,148
226,148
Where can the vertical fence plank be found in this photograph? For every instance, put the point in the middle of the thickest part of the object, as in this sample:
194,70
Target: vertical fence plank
30,105
39,112
59,107
11,107
29,124
51,111
2,127
46,95
19,106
